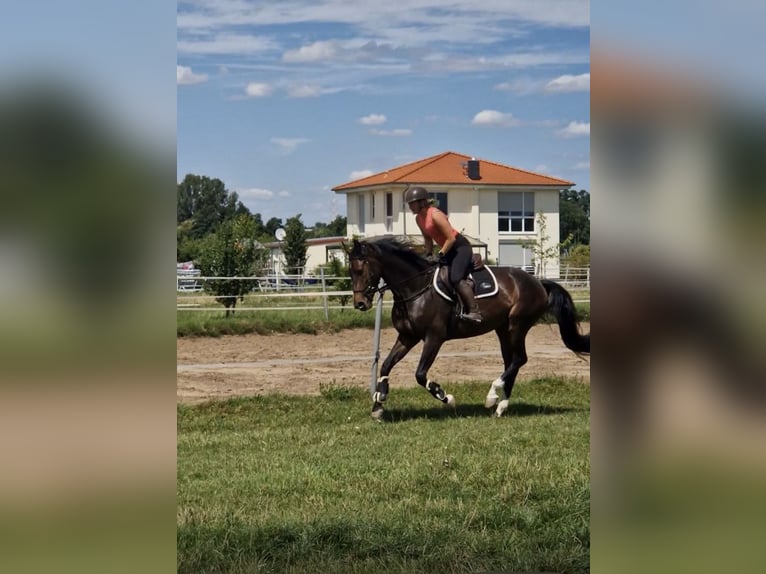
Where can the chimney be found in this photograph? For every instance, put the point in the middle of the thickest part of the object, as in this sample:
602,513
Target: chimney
473,168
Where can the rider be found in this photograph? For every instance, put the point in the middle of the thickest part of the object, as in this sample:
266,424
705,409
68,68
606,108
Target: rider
454,249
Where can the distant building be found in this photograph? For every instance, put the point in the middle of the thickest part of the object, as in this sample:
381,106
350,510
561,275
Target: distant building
494,205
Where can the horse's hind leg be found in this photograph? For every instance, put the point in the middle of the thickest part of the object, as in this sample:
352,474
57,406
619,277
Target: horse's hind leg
401,347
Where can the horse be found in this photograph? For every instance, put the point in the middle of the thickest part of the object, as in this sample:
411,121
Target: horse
422,313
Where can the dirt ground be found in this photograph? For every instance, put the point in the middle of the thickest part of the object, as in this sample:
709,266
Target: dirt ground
241,365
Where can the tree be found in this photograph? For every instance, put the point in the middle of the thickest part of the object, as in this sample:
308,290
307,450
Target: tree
272,225
543,253
343,282
294,245
206,203
232,251
336,228
574,209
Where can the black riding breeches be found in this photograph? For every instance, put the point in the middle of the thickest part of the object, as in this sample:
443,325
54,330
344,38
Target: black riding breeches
460,260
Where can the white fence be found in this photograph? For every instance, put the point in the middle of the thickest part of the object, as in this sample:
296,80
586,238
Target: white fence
270,289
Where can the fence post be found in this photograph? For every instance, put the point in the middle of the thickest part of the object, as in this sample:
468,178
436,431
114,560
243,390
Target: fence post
376,345
324,295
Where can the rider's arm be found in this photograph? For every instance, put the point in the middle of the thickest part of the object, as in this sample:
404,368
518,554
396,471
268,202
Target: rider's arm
442,223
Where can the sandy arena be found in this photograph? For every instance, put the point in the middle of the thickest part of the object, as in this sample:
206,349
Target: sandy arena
219,368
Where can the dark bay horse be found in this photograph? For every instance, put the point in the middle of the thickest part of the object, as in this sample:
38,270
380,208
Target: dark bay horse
420,313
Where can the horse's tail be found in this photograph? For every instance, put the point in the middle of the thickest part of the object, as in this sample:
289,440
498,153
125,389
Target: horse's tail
562,307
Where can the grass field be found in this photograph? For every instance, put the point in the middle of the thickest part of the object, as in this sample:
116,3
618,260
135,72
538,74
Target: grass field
215,323
285,484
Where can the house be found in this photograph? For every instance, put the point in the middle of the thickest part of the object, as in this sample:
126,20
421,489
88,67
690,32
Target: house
319,251
494,205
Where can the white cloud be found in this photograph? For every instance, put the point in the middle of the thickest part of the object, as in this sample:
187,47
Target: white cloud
289,145
257,90
252,193
284,193
584,165
360,173
575,129
569,83
520,86
227,44
542,168
396,132
373,120
494,118
185,76
304,91
312,53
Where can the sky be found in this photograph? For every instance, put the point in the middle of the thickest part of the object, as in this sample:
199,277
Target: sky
283,100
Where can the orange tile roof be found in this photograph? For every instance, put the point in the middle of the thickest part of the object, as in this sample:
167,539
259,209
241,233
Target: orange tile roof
449,168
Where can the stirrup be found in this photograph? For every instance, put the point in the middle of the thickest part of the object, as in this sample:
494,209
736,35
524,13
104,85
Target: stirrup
474,317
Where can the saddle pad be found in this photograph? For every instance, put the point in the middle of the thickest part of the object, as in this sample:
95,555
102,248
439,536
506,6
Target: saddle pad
484,284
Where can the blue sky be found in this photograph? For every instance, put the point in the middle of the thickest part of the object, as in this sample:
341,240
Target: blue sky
285,99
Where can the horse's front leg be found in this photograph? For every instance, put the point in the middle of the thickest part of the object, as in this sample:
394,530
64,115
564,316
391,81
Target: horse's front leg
396,354
428,356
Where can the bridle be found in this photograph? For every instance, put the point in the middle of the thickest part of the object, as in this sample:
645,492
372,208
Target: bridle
371,289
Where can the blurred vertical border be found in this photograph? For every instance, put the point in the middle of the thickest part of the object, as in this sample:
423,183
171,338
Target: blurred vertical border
678,207
87,327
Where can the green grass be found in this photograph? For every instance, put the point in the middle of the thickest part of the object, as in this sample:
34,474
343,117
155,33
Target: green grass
216,324
311,484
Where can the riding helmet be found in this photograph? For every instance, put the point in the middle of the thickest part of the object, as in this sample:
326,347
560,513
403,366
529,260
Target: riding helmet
415,194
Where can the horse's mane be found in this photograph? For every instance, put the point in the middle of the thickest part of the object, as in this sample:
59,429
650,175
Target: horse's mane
402,249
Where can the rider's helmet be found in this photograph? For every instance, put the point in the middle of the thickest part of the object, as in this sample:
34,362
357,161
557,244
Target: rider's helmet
415,194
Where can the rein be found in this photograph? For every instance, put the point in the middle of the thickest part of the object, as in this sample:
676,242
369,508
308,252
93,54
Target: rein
371,289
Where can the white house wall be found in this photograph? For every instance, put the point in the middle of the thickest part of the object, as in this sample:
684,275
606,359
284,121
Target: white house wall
472,211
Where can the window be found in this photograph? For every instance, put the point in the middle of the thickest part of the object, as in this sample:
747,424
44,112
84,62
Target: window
516,211
360,212
389,212
441,200
372,207
515,255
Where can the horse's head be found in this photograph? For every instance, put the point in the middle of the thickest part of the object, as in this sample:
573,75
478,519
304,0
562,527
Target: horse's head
365,270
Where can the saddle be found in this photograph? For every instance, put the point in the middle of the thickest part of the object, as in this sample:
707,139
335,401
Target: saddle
482,279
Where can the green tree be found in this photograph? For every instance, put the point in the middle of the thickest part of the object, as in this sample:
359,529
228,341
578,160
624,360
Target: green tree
232,251
542,251
271,226
343,282
574,209
578,256
294,245
337,227
206,203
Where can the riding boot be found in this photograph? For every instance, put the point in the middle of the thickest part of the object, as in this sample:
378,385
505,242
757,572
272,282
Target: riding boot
465,290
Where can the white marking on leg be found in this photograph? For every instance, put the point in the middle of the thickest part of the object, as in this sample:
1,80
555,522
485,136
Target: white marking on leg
492,396
501,407
450,401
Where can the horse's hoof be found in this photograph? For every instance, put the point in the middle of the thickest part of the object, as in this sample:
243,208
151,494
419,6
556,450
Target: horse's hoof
377,413
450,402
501,408
490,402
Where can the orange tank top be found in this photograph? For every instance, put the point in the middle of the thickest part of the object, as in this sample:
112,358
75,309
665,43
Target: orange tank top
427,226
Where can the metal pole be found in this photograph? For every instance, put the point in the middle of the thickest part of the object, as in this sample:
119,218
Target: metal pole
324,295
376,345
